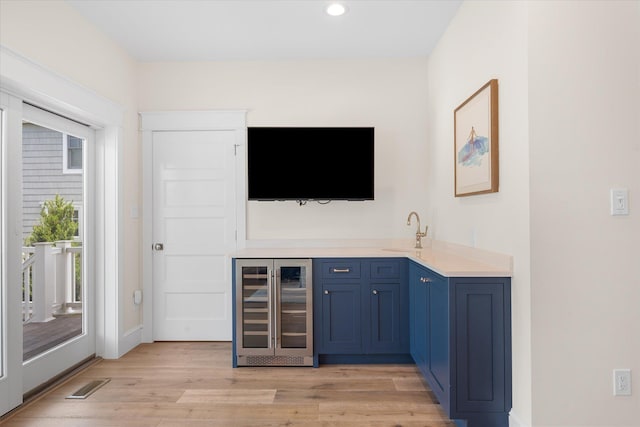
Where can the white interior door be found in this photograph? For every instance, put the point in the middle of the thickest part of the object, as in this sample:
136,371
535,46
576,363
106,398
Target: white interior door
194,227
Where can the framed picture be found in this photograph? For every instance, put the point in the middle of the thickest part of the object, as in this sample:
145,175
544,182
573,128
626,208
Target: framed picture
475,124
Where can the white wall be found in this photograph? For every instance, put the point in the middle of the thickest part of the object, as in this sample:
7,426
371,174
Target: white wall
387,94
487,40
54,35
584,87
569,77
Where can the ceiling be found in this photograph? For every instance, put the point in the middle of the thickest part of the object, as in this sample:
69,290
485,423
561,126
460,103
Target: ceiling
206,30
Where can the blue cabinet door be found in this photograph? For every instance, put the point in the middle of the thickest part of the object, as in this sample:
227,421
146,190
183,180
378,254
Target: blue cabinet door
438,345
430,331
341,325
386,332
386,307
418,310
483,347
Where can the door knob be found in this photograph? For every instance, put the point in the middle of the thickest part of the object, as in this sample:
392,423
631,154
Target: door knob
158,246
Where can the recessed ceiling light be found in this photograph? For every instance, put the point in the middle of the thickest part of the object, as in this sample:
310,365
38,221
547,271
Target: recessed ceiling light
336,9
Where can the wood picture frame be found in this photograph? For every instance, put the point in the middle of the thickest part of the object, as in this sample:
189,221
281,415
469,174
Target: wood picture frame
476,160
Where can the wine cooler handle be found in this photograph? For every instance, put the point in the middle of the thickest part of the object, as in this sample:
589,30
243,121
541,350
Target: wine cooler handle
275,276
270,293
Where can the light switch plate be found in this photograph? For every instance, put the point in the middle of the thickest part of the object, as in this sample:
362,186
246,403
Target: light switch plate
619,201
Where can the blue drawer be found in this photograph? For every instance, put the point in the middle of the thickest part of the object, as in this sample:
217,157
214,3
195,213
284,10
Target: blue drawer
385,269
347,269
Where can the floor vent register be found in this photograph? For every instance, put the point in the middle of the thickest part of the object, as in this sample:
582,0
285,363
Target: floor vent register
88,389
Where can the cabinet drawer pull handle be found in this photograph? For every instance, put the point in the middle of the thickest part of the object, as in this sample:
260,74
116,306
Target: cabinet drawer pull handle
340,270
425,280
375,292
326,292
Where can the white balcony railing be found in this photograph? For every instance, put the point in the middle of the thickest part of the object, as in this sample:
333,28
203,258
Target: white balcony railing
49,279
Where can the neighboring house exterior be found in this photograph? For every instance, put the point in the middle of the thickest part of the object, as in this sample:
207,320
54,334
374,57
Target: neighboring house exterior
51,164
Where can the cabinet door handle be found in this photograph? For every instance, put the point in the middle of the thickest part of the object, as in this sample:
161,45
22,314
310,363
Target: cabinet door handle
340,270
326,292
375,292
425,280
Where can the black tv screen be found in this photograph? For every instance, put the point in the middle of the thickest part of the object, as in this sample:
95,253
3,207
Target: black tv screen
310,163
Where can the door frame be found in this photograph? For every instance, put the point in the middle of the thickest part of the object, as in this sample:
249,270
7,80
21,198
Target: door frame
35,84
11,223
157,121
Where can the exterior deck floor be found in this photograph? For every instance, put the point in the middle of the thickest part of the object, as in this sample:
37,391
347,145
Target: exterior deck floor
40,337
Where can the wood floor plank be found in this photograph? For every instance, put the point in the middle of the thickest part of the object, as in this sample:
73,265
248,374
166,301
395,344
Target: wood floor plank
379,411
292,397
240,397
194,385
83,422
409,384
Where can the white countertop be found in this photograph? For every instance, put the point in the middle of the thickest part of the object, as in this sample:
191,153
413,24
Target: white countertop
446,259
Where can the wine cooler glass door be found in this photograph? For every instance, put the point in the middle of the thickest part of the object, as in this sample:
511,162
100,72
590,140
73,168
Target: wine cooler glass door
293,307
256,313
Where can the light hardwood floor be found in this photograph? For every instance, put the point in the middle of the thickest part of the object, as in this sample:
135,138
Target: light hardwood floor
192,384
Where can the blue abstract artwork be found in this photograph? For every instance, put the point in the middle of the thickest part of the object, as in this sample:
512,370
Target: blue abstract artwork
474,150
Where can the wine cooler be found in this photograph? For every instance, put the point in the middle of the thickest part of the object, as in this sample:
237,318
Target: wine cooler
274,319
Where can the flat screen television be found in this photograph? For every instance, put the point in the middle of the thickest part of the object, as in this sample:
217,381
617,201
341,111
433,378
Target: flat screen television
310,163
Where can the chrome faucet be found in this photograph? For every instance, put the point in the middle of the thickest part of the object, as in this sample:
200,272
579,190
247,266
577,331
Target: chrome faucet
419,235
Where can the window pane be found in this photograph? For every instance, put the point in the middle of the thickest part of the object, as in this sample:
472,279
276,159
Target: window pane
52,304
74,152
75,159
74,142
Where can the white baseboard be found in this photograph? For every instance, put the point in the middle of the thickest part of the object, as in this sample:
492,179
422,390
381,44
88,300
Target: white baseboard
514,421
130,340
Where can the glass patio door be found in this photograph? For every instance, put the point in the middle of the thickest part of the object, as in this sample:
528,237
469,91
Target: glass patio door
57,296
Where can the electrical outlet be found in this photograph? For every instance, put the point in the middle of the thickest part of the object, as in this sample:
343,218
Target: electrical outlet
622,382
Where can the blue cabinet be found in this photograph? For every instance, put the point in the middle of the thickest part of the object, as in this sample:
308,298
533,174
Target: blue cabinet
391,310
362,305
460,331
